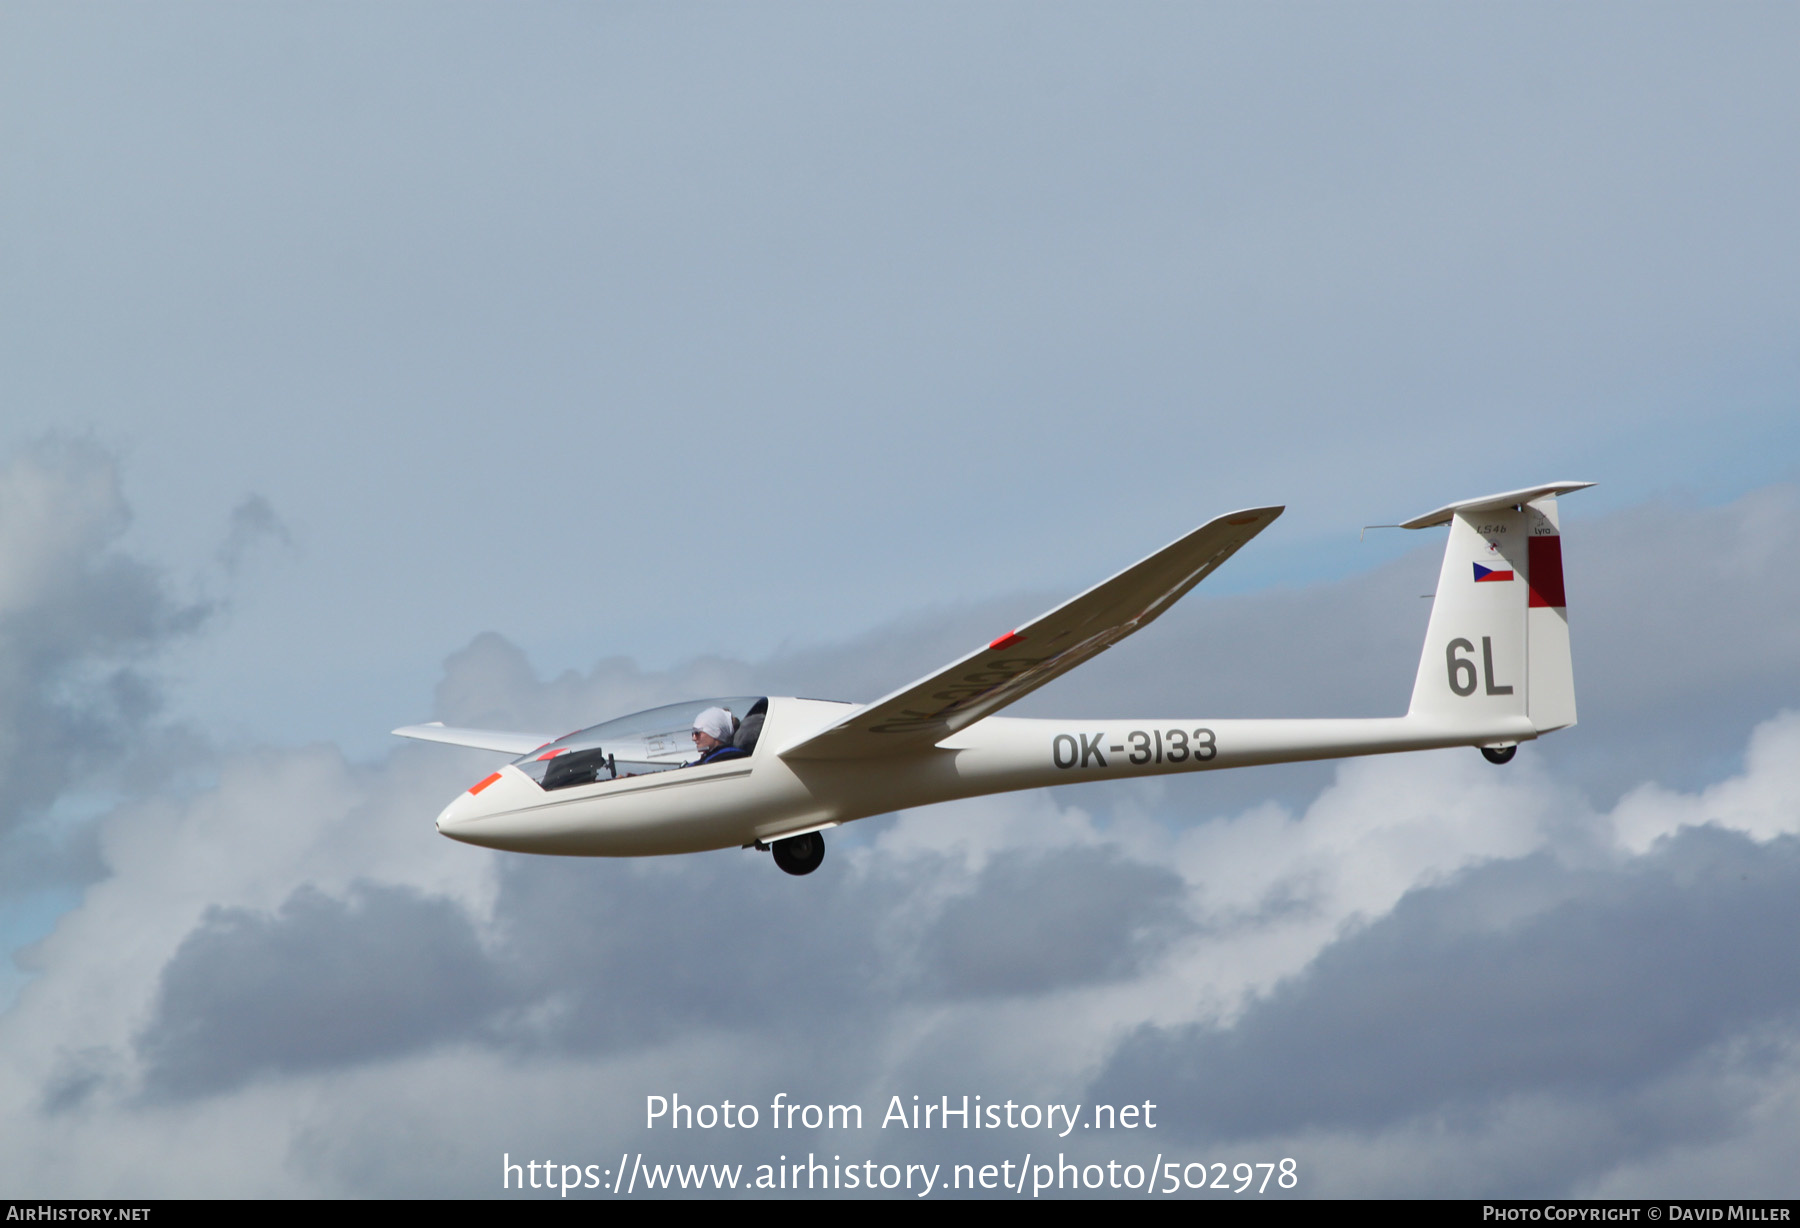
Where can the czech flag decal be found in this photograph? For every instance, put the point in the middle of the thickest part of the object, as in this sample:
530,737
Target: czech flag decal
1487,575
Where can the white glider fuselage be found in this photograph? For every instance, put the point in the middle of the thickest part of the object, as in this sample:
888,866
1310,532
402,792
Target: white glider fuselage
764,798
1495,671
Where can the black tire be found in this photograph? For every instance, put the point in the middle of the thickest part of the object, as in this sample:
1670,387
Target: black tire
1498,754
800,854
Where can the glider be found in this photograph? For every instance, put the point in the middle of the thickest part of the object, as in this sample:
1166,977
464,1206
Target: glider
775,773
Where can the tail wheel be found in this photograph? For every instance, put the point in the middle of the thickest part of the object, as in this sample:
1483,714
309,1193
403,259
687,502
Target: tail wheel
800,854
1499,754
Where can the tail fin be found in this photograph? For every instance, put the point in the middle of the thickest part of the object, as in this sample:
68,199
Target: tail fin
1498,643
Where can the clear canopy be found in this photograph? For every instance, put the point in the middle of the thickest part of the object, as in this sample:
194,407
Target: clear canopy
657,740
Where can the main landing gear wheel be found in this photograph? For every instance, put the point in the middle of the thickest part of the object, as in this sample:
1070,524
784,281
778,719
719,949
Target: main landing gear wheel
1498,754
800,854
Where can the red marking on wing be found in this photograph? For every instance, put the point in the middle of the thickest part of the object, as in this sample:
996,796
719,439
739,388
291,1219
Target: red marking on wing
1007,640
484,784
551,754
1545,554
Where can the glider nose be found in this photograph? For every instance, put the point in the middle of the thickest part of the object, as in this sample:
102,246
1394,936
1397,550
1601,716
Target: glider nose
448,816
467,807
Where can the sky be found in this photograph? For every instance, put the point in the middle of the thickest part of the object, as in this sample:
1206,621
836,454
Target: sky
529,366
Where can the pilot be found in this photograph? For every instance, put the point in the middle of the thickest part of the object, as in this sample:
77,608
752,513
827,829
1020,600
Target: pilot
712,737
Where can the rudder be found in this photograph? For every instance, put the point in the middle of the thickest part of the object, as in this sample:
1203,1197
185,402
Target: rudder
1551,681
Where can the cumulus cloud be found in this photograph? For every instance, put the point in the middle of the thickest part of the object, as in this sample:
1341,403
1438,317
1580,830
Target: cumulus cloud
1764,801
1334,974
1517,977
320,983
288,983
1034,922
1633,987
80,621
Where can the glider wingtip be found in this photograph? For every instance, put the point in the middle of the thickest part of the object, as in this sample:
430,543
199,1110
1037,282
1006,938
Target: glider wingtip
1260,516
408,731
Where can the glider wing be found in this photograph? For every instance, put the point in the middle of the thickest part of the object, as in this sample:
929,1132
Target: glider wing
1049,646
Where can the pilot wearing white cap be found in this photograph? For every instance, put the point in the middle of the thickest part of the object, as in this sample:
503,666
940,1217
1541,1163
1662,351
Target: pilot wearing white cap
712,737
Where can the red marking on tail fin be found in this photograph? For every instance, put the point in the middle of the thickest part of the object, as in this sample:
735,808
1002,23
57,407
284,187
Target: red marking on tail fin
1545,554
1007,640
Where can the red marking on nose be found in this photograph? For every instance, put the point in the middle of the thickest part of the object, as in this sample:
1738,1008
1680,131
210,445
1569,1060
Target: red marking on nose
484,784
1007,640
